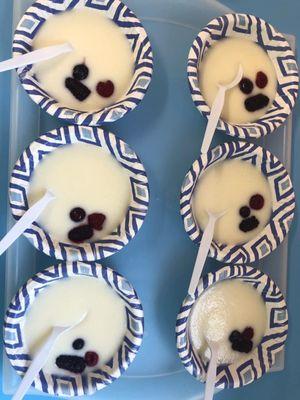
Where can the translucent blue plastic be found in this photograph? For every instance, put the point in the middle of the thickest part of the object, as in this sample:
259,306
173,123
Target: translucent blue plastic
166,131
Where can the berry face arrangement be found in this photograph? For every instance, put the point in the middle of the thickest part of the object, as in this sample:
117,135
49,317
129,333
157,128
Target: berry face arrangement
92,193
241,191
97,73
94,341
231,313
255,93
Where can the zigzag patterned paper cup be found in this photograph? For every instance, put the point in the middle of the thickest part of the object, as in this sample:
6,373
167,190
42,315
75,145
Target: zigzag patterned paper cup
20,182
131,26
78,385
253,28
260,360
283,202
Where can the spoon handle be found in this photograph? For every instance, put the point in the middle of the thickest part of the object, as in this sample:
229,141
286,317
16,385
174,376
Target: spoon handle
211,376
213,119
204,247
27,219
37,364
35,56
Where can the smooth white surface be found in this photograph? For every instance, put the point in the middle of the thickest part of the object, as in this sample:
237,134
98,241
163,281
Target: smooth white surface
220,64
224,307
81,175
216,110
212,372
229,185
66,301
27,219
35,56
41,357
203,251
99,43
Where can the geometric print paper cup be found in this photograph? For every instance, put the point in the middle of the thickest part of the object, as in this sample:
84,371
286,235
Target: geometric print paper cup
131,26
283,202
259,31
79,385
260,360
137,210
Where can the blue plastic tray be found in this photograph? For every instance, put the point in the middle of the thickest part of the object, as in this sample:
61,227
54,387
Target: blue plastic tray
166,131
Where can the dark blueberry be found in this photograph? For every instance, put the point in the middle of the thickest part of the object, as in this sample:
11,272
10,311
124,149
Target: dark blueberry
77,214
71,363
78,344
256,102
245,212
246,346
91,358
237,346
78,89
81,233
257,202
105,89
248,333
235,336
249,224
261,80
80,72
246,85
96,221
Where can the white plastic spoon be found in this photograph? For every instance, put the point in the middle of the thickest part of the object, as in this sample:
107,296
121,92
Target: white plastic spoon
25,221
204,247
212,372
216,110
41,358
35,56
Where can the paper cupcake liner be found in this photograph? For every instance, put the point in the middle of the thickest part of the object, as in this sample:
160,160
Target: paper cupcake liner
283,202
20,182
261,359
253,28
89,383
131,26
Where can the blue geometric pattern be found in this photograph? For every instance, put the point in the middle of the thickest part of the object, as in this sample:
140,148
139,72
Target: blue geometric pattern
131,26
279,51
283,202
24,168
260,360
17,351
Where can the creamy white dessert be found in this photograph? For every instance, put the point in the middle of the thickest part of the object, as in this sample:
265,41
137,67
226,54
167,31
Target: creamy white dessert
241,191
232,314
98,72
92,193
249,100
88,345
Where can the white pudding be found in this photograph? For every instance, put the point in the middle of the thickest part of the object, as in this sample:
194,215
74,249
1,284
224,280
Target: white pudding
97,73
63,303
241,191
232,314
251,99
92,193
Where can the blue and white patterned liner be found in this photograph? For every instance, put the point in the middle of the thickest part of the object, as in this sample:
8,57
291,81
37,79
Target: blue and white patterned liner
45,144
17,350
253,28
131,26
260,360
283,202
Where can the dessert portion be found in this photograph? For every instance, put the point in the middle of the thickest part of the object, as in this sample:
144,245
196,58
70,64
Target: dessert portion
97,73
251,99
232,314
87,346
240,191
92,193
